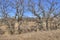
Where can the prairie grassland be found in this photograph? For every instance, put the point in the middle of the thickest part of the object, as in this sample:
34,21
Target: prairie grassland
39,35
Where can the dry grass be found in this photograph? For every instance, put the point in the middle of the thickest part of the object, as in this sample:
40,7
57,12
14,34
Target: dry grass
40,35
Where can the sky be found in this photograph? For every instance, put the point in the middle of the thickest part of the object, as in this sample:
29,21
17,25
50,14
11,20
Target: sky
27,13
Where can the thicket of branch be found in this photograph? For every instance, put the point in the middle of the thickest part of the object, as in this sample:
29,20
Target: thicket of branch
48,13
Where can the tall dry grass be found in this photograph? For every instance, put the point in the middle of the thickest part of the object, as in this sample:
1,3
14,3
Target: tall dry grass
40,35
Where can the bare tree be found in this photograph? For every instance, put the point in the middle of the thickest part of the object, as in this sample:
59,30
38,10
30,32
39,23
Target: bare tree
41,10
19,7
5,15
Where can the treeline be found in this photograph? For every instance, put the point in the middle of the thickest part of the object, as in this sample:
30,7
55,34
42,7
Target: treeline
52,25
41,9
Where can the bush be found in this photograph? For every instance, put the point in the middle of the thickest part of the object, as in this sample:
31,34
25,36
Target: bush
1,32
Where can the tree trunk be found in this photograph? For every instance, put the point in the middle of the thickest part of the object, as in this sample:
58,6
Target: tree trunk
47,24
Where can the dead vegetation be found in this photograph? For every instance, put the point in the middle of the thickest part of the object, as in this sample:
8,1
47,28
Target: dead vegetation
43,23
40,35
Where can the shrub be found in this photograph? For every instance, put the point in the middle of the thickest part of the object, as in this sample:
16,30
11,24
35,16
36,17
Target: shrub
2,32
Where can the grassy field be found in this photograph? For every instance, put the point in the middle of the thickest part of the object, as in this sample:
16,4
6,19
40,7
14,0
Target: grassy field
40,35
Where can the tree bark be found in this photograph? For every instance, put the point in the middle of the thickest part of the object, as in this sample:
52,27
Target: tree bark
47,24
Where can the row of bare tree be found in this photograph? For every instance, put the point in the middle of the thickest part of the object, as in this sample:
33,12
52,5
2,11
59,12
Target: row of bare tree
41,9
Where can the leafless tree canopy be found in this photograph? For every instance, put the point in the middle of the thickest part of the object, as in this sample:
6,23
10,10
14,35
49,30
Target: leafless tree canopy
43,11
